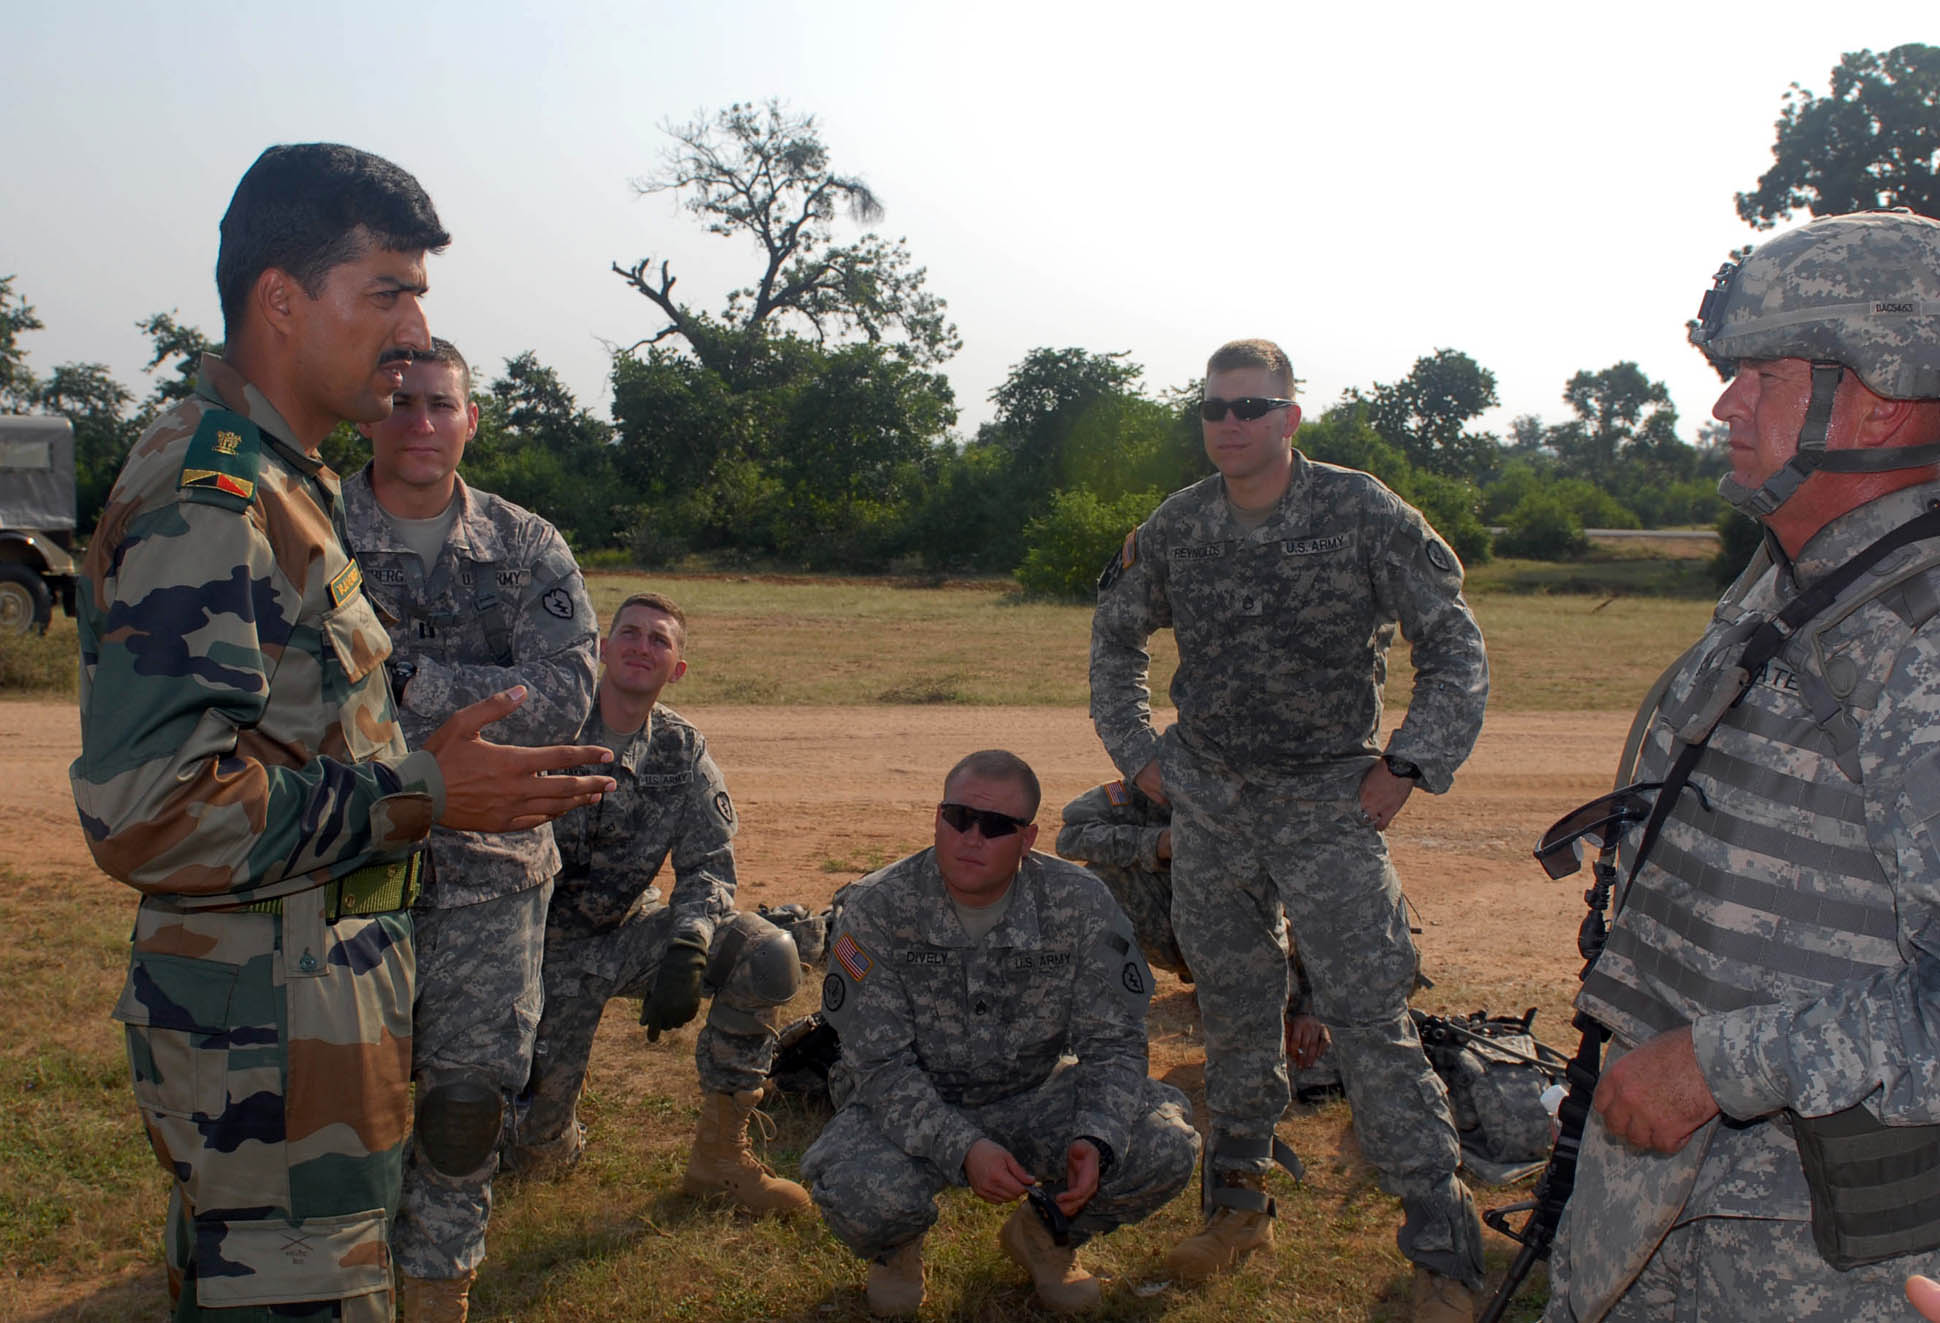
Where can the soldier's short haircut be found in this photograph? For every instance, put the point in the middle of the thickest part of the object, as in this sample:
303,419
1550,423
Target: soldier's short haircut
307,208
999,765
1254,354
444,351
657,602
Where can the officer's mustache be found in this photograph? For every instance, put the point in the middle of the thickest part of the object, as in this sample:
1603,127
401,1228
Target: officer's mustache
390,356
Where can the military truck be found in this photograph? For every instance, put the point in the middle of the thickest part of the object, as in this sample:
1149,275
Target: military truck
36,521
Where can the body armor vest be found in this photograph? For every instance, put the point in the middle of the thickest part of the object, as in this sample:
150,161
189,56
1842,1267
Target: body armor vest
1762,886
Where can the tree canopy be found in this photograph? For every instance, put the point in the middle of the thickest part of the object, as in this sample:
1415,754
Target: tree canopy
762,174
1872,141
1427,412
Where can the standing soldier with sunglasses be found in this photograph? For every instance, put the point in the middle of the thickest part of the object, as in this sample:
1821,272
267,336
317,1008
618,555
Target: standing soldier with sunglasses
991,1003
1283,581
1765,1138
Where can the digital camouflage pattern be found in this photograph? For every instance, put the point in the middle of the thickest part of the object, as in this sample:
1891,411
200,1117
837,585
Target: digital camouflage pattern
1283,635
479,1000
504,605
238,742
945,1042
668,800
1862,290
1114,830
1790,925
606,936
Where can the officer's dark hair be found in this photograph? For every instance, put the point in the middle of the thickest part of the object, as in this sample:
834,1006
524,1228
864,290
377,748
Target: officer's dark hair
307,208
999,765
1255,354
656,602
444,351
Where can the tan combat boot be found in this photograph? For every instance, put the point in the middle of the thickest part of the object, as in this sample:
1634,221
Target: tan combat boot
723,1162
1062,1286
896,1281
437,1299
1229,1235
1440,1299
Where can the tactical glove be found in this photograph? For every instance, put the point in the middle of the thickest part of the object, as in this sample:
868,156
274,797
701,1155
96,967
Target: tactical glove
676,995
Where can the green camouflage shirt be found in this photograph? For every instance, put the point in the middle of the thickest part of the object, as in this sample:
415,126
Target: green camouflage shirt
237,734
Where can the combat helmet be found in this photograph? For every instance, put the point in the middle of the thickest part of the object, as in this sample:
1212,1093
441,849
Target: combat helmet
1859,294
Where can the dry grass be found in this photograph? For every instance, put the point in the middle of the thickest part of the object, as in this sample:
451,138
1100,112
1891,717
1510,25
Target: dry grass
41,663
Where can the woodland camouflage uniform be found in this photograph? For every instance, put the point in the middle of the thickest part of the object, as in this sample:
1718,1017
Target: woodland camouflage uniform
239,746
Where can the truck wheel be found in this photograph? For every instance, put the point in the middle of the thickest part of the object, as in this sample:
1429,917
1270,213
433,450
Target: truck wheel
25,603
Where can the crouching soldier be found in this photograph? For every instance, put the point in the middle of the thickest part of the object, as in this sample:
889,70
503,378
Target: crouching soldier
991,1005
606,936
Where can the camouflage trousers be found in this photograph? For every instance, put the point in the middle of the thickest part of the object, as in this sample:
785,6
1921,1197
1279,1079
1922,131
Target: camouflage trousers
1641,1239
1731,1268
874,1196
1240,855
271,1057
733,1051
479,998
1145,895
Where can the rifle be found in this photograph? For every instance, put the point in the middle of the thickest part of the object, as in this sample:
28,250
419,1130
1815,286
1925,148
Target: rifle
1601,821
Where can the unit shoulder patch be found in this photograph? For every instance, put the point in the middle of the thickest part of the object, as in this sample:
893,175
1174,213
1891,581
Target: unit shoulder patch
223,460
1127,556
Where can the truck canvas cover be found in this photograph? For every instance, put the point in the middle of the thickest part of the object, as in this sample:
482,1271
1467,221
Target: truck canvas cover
36,473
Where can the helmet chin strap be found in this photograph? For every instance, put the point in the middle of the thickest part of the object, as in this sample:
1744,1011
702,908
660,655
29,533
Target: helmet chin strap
1761,500
1812,456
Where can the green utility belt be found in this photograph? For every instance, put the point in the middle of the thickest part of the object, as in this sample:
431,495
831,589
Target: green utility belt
375,889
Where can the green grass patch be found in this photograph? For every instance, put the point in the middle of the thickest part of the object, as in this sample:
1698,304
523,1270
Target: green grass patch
41,664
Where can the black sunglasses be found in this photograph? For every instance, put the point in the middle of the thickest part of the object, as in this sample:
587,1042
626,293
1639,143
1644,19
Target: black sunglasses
1246,408
1595,822
991,823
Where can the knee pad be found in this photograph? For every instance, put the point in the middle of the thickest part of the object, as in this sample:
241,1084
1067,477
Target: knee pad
755,968
458,1123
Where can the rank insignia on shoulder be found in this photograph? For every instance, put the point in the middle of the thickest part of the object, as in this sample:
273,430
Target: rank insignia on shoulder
346,585
222,461
855,961
1116,793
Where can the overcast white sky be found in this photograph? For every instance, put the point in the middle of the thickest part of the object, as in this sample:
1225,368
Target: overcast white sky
1546,187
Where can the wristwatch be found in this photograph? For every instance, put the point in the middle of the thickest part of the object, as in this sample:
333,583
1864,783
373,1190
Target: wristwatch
1401,767
402,673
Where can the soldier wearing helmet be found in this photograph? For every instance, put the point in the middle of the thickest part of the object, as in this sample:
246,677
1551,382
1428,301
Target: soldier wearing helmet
1765,1141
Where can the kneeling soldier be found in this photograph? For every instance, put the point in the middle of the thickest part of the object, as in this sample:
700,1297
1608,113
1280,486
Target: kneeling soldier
606,935
991,1004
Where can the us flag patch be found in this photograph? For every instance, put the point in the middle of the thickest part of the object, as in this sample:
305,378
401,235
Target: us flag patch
1116,794
854,960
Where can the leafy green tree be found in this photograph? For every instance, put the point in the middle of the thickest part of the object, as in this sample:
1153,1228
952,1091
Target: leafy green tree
1069,544
762,174
19,392
1426,414
88,397
1542,527
176,346
537,447
1616,409
1872,141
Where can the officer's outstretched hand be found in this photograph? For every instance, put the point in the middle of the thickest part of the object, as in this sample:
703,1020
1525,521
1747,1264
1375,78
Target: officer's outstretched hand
676,995
994,1175
502,787
1655,1097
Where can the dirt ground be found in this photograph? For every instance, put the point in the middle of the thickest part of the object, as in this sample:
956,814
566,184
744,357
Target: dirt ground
825,794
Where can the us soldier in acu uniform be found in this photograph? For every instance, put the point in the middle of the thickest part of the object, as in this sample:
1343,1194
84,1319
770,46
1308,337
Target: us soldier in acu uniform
1764,1142
242,767
1282,581
961,979
478,594
607,936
